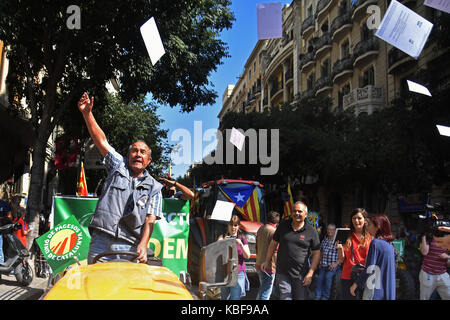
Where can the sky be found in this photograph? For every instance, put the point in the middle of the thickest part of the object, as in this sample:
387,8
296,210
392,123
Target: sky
241,39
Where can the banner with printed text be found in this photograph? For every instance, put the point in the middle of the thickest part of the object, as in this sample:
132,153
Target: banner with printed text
169,238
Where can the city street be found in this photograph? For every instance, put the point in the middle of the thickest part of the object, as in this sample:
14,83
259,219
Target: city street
9,290
221,137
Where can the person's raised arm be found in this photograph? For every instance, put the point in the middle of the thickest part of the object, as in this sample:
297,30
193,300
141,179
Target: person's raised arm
98,136
424,248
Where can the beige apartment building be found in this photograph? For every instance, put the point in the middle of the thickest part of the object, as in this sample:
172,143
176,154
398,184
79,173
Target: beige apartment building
329,48
268,78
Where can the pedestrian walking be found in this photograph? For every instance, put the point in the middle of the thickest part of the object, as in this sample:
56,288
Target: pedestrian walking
328,265
297,242
243,285
263,238
378,278
354,252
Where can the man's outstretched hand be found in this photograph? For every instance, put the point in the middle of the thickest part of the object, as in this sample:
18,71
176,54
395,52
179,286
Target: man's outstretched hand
85,104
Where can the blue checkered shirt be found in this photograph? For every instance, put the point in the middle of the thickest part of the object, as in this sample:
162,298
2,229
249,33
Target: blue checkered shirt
112,160
329,253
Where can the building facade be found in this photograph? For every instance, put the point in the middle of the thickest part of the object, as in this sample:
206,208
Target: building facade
329,48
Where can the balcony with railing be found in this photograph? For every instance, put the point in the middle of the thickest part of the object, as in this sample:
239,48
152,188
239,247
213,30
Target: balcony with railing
367,99
365,50
277,89
360,8
342,68
398,60
308,25
322,8
323,84
323,44
340,25
306,60
289,75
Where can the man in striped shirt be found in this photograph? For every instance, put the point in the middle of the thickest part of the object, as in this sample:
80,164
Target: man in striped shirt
433,275
131,199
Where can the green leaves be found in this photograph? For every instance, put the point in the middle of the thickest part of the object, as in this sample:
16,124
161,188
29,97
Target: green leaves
396,149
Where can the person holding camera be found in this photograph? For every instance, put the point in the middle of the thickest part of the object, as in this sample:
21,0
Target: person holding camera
443,242
170,190
433,274
354,252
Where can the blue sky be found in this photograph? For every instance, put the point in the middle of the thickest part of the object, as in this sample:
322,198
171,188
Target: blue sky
241,39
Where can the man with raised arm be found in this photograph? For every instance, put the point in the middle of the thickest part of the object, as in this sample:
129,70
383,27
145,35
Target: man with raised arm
131,199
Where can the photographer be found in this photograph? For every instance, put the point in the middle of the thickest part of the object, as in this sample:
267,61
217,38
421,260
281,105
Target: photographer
443,242
170,190
433,275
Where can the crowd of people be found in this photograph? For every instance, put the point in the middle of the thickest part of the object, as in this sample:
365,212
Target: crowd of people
289,253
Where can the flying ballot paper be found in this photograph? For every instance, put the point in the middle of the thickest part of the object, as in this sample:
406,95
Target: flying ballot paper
237,138
223,210
404,29
415,87
152,40
442,5
443,130
269,20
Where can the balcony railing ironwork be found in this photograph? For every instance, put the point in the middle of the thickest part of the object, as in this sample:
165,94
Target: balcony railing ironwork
342,65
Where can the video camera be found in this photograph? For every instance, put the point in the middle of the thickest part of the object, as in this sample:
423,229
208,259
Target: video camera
431,224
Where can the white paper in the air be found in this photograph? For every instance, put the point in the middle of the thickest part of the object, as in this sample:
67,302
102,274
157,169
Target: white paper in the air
237,138
404,29
441,5
152,40
223,210
443,130
415,87
269,20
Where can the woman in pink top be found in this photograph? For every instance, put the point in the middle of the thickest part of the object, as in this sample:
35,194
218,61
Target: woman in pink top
238,291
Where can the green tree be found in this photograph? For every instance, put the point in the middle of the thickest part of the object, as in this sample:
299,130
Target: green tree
394,150
51,64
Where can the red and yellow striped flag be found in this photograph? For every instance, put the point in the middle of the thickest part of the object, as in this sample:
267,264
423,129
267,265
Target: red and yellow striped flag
82,185
288,204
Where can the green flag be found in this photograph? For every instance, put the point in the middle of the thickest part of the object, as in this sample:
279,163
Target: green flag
169,239
62,244
81,208
170,234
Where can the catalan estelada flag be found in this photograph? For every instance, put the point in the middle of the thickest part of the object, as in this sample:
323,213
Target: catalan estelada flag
82,185
170,171
288,200
246,201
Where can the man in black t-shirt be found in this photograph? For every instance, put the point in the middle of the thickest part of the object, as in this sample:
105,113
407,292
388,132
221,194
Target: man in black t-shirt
296,241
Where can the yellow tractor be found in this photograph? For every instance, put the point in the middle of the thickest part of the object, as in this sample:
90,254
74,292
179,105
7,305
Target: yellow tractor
121,279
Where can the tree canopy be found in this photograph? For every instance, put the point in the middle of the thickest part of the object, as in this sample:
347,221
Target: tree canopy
394,150
54,60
